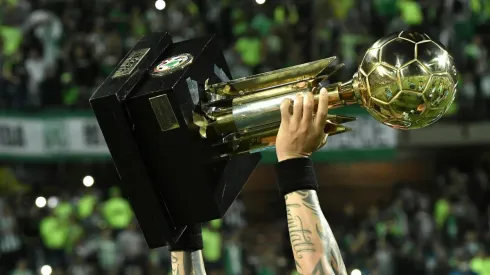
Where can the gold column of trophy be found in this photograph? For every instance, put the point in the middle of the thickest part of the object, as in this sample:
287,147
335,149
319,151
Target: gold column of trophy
406,81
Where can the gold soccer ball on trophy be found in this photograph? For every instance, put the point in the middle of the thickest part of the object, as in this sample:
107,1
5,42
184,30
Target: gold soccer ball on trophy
408,80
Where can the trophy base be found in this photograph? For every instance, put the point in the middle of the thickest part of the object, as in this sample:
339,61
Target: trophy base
167,171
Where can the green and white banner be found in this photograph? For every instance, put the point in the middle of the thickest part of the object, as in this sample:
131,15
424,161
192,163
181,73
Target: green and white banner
51,137
73,136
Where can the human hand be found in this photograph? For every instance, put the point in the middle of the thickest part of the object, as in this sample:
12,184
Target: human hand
301,133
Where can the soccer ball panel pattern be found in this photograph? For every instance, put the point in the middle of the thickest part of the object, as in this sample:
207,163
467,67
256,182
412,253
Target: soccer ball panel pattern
410,80
398,52
434,57
387,82
414,76
414,36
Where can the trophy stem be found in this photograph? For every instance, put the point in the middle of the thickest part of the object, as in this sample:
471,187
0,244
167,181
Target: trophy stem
252,122
341,94
262,108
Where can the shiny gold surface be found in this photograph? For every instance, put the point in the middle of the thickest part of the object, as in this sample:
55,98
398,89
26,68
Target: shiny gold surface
255,83
405,80
164,113
410,80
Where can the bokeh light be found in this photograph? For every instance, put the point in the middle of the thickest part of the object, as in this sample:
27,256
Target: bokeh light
88,181
40,202
53,202
46,270
160,5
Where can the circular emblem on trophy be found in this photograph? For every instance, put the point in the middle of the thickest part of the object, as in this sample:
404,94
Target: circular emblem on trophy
172,64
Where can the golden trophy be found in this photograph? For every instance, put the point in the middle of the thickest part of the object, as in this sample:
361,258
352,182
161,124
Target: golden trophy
182,135
406,81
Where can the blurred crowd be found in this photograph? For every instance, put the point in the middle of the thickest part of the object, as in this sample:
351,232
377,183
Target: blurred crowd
94,231
54,53
444,230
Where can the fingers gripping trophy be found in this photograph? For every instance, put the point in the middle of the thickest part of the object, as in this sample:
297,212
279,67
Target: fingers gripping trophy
184,137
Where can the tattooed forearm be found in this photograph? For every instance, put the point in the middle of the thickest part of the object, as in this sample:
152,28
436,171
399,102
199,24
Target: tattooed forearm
325,234
187,263
314,247
310,201
300,237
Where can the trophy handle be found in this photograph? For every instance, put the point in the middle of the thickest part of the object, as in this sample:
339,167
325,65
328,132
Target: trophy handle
245,115
265,137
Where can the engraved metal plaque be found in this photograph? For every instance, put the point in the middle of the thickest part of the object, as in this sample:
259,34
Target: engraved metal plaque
164,113
130,63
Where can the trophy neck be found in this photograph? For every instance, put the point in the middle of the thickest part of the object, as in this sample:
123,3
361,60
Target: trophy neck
342,94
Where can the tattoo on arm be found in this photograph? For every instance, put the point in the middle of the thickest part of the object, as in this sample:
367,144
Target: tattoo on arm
187,263
298,266
314,247
300,237
175,264
310,201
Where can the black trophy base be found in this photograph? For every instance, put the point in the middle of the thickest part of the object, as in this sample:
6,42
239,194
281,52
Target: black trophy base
145,110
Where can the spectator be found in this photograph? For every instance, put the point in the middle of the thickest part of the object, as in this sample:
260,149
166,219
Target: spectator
75,234
462,268
117,211
107,254
234,218
16,77
471,245
234,256
10,242
54,234
424,226
212,252
79,267
441,210
159,261
84,70
384,258
481,263
3,76
36,68
133,249
22,269
250,49
47,28
348,219
467,212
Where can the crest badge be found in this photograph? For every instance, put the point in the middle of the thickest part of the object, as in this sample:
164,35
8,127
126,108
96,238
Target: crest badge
172,64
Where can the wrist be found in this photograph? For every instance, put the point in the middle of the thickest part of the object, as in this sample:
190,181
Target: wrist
296,174
283,157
